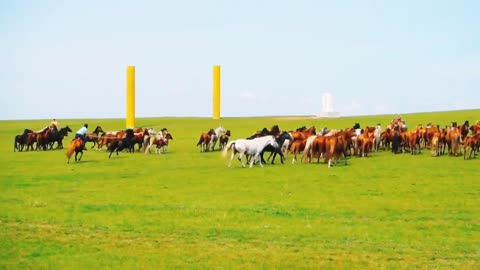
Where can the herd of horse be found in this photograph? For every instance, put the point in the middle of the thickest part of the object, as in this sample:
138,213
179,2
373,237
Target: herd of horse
113,141
304,143
335,145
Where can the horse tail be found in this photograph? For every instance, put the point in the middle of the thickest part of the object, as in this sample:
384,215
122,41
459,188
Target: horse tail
15,144
200,140
71,150
229,145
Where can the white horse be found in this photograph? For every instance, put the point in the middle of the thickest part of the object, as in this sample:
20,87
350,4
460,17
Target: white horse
214,138
249,147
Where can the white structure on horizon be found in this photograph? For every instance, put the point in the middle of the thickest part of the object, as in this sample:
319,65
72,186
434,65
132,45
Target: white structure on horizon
327,107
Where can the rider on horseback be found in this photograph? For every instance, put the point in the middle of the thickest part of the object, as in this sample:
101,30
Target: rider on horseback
81,134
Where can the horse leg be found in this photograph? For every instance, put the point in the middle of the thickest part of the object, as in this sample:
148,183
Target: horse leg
240,156
271,153
255,157
231,158
81,155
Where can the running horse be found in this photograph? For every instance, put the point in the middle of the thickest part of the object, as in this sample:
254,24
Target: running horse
94,136
57,137
204,140
216,136
224,139
249,148
125,143
76,146
20,140
162,144
471,144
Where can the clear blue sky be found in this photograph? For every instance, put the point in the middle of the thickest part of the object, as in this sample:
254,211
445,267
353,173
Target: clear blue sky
68,59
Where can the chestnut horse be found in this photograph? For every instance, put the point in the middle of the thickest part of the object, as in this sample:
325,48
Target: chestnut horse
75,146
205,139
453,140
471,144
303,135
414,141
335,147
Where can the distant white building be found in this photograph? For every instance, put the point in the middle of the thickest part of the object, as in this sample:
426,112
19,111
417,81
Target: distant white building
327,107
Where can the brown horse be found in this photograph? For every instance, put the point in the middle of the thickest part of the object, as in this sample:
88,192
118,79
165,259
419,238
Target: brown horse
224,139
414,141
205,139
470,144
43,138
303,135
318,147
428,134
335,148
94,136
365,142
109,137
434,145
475,128
75,146
296,147
453,140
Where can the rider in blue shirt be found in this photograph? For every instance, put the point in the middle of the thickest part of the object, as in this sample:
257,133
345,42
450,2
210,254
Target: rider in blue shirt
81,133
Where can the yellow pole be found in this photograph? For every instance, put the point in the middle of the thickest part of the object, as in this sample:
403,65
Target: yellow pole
131,97
216,92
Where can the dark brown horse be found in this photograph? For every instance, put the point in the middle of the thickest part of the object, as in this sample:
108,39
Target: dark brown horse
94,136
224,139
21,140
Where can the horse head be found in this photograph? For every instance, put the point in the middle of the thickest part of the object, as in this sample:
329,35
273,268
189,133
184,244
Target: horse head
275,130
98,129
311,130
301,129
129,133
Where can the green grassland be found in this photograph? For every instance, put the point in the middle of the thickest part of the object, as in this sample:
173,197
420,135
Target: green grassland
186,209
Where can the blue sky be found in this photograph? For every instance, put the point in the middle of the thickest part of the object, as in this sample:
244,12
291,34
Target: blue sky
68,59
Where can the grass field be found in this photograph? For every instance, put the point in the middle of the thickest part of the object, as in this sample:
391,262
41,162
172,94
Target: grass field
186,209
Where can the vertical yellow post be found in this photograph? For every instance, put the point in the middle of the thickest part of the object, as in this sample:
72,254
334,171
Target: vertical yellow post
216,92
130,97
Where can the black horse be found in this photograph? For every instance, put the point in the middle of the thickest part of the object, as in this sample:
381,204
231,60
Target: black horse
274,151
57,137
20,140
125,143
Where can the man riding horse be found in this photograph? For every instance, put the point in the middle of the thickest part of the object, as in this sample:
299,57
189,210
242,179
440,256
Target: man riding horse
81,134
